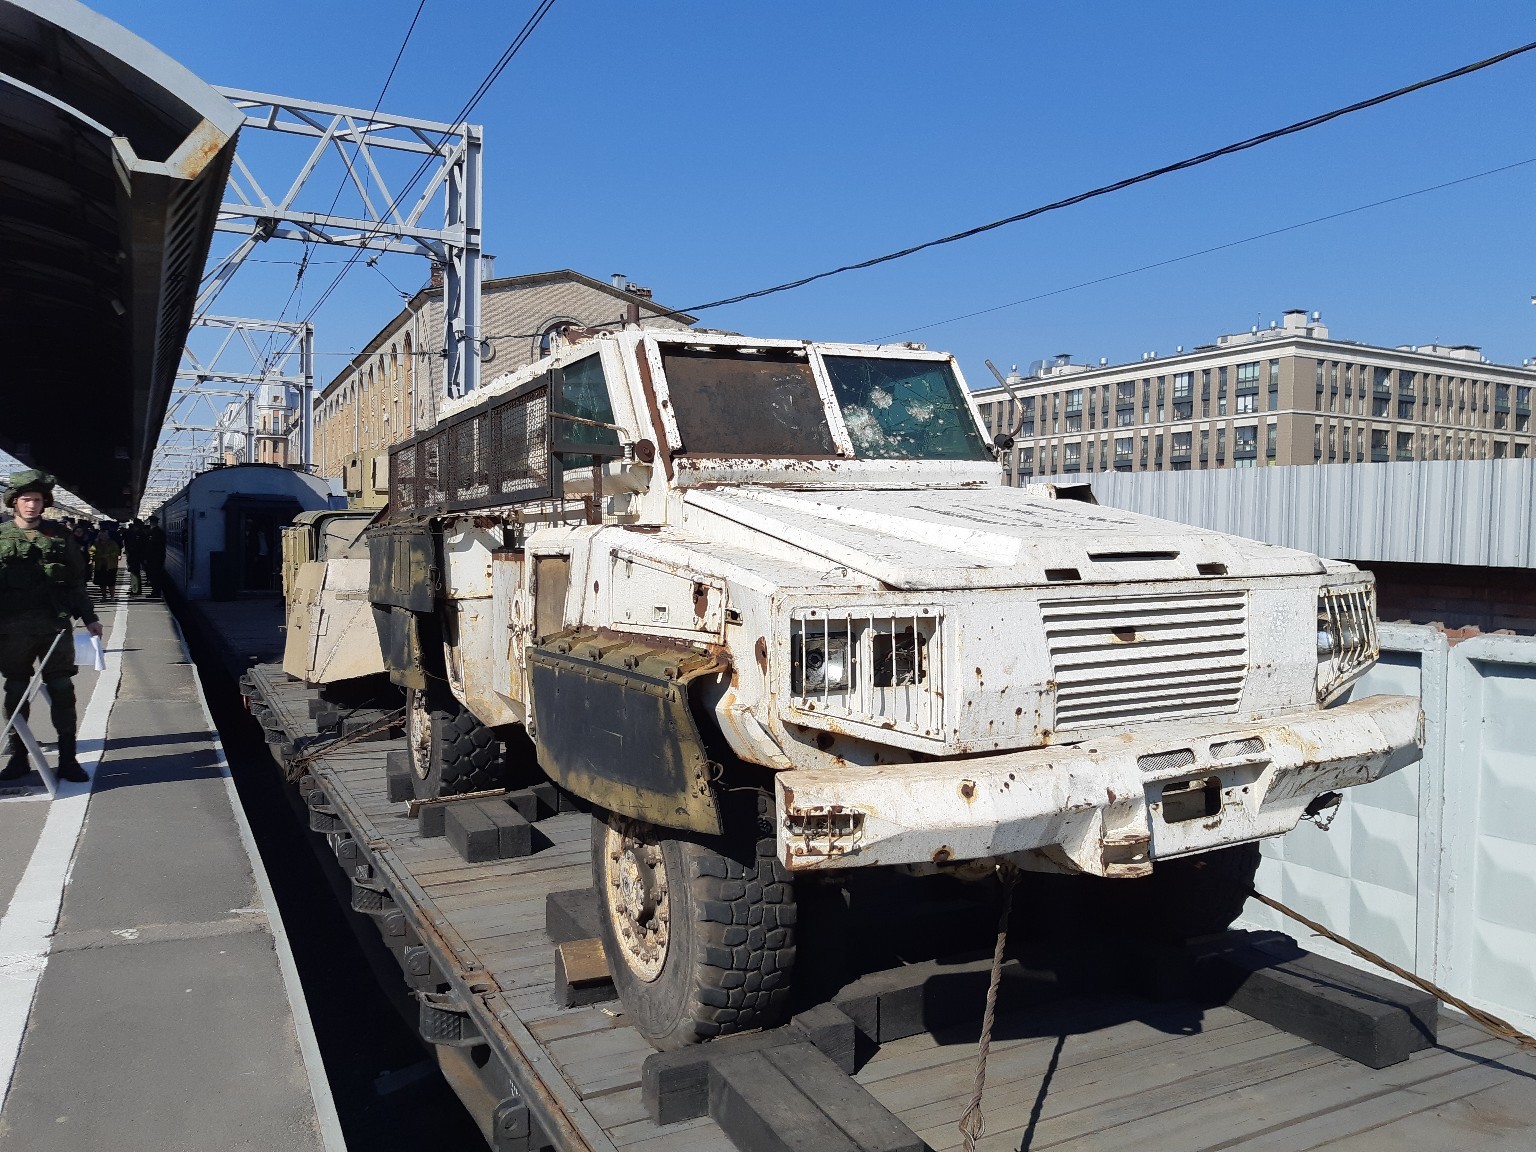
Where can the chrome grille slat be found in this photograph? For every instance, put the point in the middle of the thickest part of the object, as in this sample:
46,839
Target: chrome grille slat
1136,658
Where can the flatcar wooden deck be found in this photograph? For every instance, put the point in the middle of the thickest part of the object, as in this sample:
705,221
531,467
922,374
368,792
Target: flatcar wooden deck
1087,1072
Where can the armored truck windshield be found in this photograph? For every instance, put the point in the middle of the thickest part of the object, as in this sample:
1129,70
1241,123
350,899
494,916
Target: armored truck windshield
765,402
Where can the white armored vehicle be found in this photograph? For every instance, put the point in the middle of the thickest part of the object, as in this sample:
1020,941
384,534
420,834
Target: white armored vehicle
766,605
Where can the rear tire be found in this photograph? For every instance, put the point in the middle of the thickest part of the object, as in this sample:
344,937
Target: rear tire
451,751
700,939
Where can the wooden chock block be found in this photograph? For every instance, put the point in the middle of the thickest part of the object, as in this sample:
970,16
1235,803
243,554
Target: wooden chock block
581,973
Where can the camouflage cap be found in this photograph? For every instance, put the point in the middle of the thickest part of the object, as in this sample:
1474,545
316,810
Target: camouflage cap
31,480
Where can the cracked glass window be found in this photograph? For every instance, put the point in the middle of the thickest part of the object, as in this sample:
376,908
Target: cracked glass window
904,409
584,393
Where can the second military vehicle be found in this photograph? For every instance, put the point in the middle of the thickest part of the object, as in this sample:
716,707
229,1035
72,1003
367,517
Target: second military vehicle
767,606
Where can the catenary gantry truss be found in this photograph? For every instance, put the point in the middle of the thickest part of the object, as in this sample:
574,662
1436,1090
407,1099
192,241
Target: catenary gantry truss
429,207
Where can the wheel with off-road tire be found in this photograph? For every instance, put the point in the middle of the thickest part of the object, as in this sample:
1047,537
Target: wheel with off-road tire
451,751
1184,897
699,931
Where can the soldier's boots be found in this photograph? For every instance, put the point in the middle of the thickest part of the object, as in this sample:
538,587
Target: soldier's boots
69,767
19,763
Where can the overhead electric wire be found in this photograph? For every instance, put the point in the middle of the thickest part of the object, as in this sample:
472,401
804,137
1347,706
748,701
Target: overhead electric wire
304,261
1128,182
460,117
1205,251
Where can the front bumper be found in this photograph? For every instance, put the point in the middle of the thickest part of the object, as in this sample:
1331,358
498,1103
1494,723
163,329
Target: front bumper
1107,806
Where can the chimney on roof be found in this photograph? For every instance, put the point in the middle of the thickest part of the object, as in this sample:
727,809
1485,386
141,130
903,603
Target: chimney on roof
437,276
487,267
637,290
617,280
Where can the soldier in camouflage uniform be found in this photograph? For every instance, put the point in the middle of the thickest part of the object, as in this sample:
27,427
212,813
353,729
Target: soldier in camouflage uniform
42,585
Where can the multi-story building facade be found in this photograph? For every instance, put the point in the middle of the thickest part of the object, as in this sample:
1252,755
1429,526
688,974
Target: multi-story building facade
1288,394
395,385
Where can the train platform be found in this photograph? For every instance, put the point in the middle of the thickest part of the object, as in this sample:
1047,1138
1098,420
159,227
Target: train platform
148,995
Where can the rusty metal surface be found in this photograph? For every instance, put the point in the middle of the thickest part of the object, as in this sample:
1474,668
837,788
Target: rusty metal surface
1099,806
614,726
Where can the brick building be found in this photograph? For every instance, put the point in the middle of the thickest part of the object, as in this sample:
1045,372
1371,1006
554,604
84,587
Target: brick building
394,386
1288,394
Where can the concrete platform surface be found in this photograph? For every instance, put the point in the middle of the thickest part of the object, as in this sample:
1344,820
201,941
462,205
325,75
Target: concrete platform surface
148,999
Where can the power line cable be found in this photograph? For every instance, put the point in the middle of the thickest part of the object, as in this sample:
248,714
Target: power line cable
460,117
304,262
1128,182
1204,251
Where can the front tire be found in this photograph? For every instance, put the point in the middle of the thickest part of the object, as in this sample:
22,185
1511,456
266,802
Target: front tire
451,751
700,939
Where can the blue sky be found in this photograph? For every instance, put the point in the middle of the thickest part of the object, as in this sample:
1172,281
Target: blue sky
706,149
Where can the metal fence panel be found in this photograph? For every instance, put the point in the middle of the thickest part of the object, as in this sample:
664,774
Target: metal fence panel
1479,512
1434,867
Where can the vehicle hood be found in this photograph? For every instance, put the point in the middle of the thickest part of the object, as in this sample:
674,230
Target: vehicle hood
991,537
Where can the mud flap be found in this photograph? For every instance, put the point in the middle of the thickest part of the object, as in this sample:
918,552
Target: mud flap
612,725
400,645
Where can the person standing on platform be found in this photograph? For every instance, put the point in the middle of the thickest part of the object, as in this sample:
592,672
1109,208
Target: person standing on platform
154,556
105,554
42,585
133,552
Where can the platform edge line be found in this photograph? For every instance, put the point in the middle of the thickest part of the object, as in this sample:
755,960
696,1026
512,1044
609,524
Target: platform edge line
331,1136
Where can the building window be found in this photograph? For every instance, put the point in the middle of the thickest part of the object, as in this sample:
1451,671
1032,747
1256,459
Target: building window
1379,448
1381,406
1221,391
1205,393
1205,445
1075,423
551,338
1271,440
1125,418
1221,445
1405,445
1183,385
1247,402
1072,457
1317,441
1245,440
1179,445
1123,449
1248,375
1274,385
1074,401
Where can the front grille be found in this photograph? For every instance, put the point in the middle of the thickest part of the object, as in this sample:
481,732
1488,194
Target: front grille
1119,659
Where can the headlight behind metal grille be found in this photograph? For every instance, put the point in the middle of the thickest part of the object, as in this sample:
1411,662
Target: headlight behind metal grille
1346,637
876,667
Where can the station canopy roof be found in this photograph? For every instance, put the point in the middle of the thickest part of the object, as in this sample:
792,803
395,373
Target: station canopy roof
113,159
